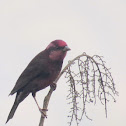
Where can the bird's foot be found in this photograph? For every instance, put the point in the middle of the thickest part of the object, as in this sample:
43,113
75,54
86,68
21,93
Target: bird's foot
43,112
53,86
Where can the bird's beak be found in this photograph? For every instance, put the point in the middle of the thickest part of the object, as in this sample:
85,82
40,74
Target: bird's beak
66,48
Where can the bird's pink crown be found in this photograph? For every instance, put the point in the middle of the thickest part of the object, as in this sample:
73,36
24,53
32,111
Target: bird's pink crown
60,43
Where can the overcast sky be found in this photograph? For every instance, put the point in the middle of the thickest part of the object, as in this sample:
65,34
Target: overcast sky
91,26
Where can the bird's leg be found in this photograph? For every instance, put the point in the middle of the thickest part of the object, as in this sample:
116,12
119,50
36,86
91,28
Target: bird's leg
41,110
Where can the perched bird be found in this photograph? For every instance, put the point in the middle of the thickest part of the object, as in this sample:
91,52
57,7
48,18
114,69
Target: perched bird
40,73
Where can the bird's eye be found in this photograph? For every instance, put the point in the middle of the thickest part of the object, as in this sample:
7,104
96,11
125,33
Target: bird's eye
59,48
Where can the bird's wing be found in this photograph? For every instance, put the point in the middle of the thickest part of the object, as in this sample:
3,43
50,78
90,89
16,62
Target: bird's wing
33,70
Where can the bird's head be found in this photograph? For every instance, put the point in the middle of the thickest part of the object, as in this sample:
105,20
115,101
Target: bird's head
57,50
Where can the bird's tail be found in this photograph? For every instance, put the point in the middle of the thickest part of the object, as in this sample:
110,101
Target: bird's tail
11,114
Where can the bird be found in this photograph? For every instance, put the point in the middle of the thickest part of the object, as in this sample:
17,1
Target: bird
40,73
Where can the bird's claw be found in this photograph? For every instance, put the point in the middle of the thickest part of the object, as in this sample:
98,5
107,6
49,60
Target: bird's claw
43,112
53,86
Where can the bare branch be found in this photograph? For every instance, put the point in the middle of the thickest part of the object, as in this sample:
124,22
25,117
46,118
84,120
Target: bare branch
45,106
88,78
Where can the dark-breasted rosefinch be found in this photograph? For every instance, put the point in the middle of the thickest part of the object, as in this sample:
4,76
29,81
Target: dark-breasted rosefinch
40,73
